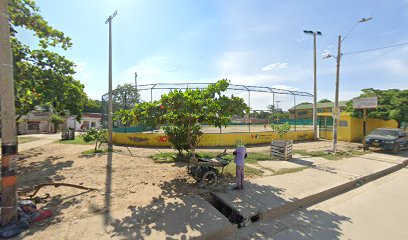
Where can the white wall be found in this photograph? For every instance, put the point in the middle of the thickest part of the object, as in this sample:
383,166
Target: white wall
73,124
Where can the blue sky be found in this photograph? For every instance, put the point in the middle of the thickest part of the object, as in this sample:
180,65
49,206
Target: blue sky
255,42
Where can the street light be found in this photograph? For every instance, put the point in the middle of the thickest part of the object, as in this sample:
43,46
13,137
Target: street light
110,121
336,110
314,33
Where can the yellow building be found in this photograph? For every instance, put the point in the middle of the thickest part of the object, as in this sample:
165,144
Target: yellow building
350,129
305,110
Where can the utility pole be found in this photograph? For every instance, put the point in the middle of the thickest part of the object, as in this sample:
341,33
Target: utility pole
9,144
336,110
314,33
277,110
136,80
110,121
314,90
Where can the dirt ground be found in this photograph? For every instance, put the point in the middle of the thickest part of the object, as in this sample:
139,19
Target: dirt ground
126,179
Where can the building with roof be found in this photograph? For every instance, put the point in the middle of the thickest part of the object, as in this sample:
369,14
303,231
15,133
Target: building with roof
88,120
305,110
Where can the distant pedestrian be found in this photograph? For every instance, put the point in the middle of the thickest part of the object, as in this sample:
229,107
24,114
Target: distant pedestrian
240,155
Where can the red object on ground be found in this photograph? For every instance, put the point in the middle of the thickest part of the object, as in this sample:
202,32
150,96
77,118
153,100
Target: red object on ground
43,215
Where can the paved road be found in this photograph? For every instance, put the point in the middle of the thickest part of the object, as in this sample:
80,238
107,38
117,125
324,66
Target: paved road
377,210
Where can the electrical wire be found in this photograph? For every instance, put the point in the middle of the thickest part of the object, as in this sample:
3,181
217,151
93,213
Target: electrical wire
376,49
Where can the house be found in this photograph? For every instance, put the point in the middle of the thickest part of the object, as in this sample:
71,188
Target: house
305,110
35,122
88,120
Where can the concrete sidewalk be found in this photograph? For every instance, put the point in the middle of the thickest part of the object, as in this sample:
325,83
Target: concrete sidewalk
274,196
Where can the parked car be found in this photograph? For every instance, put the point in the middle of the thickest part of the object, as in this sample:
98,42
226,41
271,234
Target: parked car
391,139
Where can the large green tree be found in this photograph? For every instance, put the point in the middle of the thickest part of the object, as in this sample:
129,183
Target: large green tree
125,97
42,77
324,100
392,104
93,106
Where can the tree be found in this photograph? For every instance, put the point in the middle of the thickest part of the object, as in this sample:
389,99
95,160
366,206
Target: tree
392,104
96,135
281,129
324,100
57,121
271,108
125,97
183,113
93,106
223,108
42,77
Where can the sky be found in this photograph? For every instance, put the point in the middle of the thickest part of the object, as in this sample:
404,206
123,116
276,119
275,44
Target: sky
258,42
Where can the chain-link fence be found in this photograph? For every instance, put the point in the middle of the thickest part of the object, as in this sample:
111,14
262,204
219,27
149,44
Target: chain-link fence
271,100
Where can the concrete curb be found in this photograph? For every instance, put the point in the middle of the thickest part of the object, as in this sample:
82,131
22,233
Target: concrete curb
329,193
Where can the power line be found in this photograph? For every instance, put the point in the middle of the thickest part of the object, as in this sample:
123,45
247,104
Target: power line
375,49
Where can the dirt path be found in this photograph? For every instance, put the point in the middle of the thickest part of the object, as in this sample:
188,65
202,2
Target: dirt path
40,140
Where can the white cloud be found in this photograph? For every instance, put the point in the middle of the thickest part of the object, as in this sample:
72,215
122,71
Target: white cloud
272,66
80,67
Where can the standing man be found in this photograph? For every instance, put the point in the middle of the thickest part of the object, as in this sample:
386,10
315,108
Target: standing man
240,155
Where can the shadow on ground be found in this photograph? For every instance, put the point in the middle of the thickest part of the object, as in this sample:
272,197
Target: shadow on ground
303,224
45,170
167,214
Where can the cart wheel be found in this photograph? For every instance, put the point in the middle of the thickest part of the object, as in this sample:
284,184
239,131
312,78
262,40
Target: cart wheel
209,179
245,222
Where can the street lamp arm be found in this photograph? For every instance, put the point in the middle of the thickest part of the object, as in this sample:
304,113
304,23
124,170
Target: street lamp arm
363,20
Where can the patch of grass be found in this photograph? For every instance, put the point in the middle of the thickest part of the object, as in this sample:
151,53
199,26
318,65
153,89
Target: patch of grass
92,151
289,170
78,140
329,156
253,157
164,157
229,171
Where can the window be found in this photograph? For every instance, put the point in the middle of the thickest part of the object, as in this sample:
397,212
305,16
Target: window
93,124
302,113
34,126
343,123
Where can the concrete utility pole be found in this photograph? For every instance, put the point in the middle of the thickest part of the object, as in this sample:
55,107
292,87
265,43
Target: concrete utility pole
315,33
9,144
336,110
110,121
136,80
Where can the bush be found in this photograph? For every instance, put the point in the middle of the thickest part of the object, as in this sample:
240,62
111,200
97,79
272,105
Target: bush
97,136
281,129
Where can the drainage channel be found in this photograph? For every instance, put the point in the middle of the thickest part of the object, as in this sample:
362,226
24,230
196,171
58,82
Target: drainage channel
232,215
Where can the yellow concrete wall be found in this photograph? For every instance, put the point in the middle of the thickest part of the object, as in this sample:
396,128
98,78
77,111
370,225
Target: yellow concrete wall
208,139
353,132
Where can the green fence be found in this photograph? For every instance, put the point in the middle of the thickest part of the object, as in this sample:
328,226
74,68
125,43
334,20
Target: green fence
133,129
295,121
